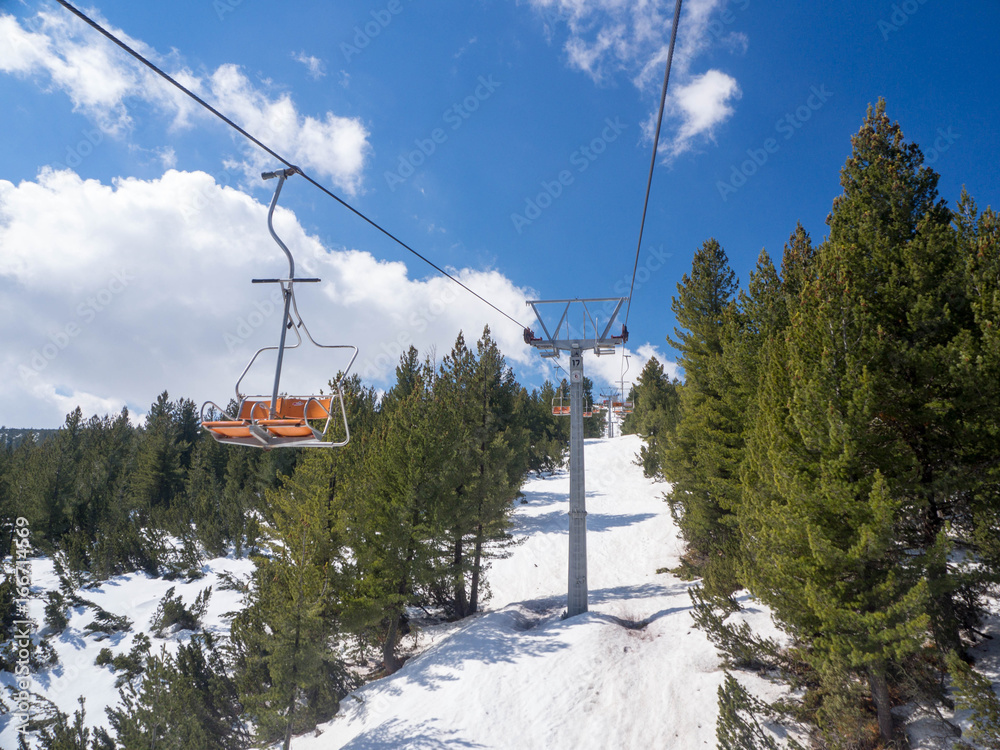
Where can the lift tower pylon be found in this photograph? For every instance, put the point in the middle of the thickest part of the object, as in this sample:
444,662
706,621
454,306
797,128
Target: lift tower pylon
565,337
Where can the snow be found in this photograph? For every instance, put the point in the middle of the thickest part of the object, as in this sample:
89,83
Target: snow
632,672
519,675
136,596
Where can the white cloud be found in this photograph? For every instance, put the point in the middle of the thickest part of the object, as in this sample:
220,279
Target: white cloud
610,369
315,67
335,147
112,293
607,38
703,104
102,82
85,67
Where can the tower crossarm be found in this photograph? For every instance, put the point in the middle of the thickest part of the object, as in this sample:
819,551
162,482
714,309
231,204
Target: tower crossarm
588,336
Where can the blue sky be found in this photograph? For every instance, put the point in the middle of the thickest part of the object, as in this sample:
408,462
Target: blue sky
509,141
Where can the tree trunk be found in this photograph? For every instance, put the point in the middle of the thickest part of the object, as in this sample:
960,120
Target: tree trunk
880,696
461,600
295,649
477,564
390,661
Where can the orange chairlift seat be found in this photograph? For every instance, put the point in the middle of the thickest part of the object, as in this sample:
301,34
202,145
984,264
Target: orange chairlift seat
282,421
561,408
622,408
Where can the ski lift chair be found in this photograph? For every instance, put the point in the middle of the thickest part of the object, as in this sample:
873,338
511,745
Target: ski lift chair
282,421
559,407
562,409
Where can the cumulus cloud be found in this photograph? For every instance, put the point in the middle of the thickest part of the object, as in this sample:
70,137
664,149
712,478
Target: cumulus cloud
112,293
608,38
702,104
102,82
59,50
333,146
610,369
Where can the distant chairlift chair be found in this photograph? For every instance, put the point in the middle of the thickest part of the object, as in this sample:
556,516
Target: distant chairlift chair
281,421
561,407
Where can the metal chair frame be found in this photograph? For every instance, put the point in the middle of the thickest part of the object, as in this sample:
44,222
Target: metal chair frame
267,430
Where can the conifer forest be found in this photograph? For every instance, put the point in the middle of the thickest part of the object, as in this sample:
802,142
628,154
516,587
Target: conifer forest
832,450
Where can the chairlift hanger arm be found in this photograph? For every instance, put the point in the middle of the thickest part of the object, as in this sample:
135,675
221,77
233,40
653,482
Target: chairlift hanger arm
282,175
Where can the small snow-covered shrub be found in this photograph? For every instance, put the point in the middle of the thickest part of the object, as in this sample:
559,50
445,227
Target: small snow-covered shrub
171,613
106,624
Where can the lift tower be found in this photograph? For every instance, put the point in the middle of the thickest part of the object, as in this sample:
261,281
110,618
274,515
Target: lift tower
566,337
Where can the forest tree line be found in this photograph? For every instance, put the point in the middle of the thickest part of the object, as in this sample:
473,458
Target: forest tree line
834,450
347,543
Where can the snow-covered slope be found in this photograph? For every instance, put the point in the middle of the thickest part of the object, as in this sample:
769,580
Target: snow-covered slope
632,672
519,676
135,596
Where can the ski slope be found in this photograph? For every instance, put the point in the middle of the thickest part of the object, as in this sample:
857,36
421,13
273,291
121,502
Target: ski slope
520,676
633,672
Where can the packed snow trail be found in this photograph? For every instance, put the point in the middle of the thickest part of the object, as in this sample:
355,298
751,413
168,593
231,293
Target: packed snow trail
519,676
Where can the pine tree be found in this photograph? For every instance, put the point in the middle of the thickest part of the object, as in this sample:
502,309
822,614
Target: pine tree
546,446
390,496
656,400
181,702
500,451
974,364
703,454
204,484
974,693
453,400
159,473
847,455
592,427
298,585
738,726
63,454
